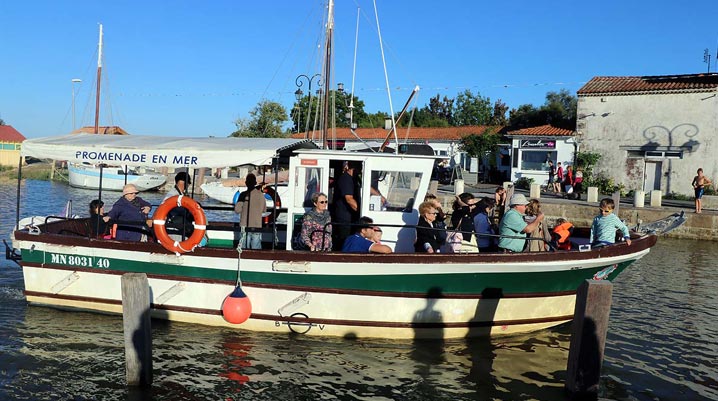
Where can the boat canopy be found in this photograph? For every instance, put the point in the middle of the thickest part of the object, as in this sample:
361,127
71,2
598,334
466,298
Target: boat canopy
156,151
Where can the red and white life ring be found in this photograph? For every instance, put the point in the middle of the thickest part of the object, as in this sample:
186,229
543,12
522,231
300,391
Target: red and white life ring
160,217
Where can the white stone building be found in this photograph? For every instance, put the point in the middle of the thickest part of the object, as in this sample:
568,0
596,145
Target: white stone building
652,132
531,148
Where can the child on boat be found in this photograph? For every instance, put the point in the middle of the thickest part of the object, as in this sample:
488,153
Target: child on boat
603,229
561,234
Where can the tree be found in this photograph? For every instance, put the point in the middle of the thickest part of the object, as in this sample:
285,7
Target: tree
2,122
266,120
471,109
498,117
559,110
482,145
339,106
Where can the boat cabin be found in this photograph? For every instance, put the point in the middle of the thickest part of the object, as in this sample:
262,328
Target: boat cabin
402,180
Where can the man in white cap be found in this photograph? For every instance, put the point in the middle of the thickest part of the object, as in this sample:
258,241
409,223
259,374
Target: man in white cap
513,225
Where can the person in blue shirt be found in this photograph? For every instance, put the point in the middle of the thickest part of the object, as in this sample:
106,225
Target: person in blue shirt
603,229
361,240
513,228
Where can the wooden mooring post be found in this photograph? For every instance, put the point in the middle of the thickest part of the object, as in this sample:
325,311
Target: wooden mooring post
137,328
588,338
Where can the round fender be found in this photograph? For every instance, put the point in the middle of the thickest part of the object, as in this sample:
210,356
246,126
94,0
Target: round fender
160,217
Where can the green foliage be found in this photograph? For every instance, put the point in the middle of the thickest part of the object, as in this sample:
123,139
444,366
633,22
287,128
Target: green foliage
306,110
677,196
266,120
498,117
710,191
605,184
481,145
559,110
471,109
2,122
586,160
524,183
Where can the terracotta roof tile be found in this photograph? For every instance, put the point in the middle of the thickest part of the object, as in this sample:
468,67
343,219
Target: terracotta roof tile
10,134
412,134
660,83
543,130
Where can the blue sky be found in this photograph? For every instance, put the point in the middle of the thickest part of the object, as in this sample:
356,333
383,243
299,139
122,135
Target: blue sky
190,68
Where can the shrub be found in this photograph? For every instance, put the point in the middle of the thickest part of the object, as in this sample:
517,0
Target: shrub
605,184
524,183
677,196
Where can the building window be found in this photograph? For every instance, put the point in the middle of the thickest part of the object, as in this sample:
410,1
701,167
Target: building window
537,160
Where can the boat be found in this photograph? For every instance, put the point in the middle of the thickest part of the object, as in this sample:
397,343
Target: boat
226,191
397,295
111,177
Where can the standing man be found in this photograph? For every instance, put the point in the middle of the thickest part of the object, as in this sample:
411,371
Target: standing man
179,220
346,204
513,225
250,206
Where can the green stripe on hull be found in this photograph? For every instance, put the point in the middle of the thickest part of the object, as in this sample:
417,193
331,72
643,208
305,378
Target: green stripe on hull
449,283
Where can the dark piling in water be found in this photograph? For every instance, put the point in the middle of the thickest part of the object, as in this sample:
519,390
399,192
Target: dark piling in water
588,338
137,328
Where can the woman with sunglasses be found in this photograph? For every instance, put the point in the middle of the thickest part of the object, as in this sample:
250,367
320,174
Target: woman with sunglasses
316,234
427,233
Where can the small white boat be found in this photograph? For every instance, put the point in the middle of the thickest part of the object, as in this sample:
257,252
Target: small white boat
113,178
229,194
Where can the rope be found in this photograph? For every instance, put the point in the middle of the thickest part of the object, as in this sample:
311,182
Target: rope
239,256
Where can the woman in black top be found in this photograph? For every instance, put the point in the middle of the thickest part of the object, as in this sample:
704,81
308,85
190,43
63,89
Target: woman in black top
98,226
427,234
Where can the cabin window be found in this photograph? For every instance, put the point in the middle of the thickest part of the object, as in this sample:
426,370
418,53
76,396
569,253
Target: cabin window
398,187
308,182
537,160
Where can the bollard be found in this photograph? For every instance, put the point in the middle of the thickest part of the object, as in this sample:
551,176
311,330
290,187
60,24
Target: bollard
137,328
616,201
458,187
639,198
656,197
433,187
535,191
592,194
588,338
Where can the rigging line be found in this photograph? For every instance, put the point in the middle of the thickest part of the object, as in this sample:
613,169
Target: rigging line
354,71
386,78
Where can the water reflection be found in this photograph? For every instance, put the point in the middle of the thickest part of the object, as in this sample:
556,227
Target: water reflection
662,344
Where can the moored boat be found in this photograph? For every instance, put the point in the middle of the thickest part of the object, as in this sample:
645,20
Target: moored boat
113,178
398,295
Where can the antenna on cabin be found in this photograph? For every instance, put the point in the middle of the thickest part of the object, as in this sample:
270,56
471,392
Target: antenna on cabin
707,59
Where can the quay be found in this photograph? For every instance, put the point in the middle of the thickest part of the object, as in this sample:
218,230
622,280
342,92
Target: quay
703,226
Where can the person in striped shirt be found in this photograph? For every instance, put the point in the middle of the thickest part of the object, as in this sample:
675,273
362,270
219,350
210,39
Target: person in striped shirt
603,229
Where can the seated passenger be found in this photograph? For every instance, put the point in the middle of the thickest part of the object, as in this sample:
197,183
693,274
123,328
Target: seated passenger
316,233
361,240
98,227
483,225
540,233
131,214
513,228
562,234
603,229
427,234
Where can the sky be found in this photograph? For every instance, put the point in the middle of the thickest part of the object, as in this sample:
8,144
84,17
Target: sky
192,68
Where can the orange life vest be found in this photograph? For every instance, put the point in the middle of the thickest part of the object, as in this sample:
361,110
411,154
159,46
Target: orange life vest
563,232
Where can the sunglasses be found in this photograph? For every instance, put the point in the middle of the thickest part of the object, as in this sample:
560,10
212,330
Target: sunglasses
377,229
132,193
322,202
604,210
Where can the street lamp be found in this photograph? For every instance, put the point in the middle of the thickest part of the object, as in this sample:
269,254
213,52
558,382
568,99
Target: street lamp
298,94
74,81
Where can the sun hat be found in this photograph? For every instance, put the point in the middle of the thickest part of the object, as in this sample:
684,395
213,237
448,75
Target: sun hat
518,199
129,189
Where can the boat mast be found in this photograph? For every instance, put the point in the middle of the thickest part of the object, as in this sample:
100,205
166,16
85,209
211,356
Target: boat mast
99,77
327,73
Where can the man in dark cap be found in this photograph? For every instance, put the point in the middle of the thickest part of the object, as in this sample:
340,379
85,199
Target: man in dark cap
179,220
250,207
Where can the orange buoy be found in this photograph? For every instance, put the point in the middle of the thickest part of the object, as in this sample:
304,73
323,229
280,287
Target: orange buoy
236,307
200,224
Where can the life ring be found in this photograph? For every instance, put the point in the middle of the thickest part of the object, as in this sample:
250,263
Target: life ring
160,217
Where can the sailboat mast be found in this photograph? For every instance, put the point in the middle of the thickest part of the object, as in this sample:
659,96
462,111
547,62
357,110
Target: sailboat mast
327,73
99,78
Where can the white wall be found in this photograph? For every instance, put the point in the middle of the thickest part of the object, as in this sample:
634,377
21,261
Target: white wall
605,124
